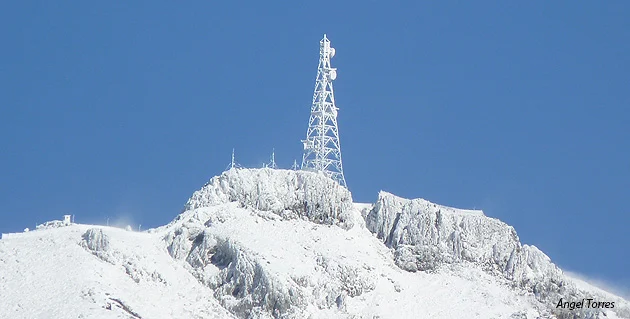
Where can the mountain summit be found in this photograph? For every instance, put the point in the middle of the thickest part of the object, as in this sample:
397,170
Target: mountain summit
268,243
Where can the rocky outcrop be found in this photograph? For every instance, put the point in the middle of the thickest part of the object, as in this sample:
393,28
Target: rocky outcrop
425,236
95,241
247,284
296,194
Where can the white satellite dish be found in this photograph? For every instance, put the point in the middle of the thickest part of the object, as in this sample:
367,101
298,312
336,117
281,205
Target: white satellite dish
333,74
332,52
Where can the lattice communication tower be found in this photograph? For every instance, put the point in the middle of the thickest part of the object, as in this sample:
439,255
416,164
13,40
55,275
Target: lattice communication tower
322,151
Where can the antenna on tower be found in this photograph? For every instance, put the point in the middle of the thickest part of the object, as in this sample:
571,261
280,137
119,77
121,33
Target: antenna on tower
322,150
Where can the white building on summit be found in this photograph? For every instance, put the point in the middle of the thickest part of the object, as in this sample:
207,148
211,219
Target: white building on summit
322,150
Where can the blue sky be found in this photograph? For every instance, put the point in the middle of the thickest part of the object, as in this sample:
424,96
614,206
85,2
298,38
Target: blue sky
121,110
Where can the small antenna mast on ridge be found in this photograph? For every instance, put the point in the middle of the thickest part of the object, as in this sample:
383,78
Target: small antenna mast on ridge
273,159
233,163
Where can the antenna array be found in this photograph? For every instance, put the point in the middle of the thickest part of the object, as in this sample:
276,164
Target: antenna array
322,150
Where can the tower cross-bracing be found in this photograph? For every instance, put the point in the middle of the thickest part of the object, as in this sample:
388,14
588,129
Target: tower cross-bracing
322,151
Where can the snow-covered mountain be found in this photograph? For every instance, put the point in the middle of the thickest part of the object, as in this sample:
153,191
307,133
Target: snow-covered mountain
265,243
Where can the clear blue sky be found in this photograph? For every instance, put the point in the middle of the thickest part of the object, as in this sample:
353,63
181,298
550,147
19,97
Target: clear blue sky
121,110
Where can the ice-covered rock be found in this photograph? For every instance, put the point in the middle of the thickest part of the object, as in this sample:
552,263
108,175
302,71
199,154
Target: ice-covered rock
426,236
95,240
222,246
51,224
245,280
284,192
243,283
218,237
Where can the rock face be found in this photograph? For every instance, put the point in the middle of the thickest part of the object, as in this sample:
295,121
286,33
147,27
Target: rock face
95,240
251,284
247,281
286,193
425,236
243,283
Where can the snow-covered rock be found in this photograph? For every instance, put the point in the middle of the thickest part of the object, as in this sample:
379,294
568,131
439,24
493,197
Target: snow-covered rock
261,263
423,237
95,240
264,243
51,224
294,194
426,235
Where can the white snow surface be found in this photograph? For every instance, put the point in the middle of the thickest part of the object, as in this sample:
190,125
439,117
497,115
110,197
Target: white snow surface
264,243
56,273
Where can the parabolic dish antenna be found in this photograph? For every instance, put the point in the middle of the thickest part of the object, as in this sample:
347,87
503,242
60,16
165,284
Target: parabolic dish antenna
332,52
333,74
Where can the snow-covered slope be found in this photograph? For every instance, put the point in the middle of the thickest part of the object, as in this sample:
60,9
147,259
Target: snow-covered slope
82,271
263,243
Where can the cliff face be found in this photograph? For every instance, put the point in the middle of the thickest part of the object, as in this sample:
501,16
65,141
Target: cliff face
426,236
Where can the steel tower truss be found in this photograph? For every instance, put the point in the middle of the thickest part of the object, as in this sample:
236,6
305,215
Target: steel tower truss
322,151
